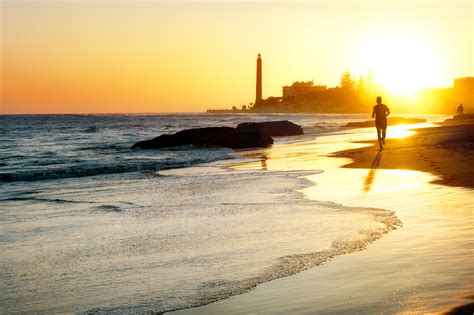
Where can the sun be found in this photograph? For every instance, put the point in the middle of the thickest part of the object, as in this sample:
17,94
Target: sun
403,64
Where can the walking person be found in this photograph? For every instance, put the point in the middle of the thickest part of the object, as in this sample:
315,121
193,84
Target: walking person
380,112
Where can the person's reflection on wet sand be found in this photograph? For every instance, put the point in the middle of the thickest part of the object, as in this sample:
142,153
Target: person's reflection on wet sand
371,175
263,162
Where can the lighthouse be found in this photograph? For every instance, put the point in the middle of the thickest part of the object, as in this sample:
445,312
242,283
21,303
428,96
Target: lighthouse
258,96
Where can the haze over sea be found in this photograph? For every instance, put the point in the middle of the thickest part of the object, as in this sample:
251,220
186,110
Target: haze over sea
87,224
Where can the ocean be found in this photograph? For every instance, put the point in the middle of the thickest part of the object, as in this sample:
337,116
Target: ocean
89,225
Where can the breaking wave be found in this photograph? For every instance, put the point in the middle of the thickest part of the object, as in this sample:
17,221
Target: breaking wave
117,168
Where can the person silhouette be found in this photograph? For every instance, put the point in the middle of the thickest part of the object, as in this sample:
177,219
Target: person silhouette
460,110
380,112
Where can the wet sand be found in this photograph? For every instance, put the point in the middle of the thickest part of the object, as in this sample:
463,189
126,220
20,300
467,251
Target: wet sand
423,267
445,151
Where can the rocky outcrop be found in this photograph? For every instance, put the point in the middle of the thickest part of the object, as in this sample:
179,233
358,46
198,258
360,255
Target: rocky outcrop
273,128
246,135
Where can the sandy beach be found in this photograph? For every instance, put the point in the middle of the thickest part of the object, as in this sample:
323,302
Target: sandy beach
445,151
425,266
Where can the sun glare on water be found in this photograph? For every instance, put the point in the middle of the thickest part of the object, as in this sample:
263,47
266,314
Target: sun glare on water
403,63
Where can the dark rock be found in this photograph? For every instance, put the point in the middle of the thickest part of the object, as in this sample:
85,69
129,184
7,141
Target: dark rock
272,128
209,137
246,135
240,140
202,136
163,141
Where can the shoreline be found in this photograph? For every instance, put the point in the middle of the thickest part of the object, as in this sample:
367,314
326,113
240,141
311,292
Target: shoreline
269,297
442,151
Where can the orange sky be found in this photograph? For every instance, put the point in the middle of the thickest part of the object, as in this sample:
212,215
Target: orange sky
151,56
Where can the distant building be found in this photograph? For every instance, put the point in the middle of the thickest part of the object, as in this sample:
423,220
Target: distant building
258,96
299,90
463,91
464,84
446,100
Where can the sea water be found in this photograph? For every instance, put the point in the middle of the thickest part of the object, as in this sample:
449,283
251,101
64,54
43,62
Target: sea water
89,225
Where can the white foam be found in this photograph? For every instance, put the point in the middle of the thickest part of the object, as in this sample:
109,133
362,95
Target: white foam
200,234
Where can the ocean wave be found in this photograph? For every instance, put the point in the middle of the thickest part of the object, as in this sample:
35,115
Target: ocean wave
218,289
222,286
104,148
215,290
120,207
11,157
109,208
328,126
85,171
91,129
52,200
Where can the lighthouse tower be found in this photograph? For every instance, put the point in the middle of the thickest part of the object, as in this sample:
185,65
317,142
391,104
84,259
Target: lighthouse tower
258,96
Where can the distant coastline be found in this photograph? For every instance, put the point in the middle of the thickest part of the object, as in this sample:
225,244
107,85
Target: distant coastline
307,106
296,108
289,110
277,111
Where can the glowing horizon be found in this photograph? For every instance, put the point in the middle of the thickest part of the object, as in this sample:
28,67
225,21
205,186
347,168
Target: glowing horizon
128,57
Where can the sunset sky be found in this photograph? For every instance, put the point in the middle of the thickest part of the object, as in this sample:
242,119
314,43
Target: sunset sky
152,56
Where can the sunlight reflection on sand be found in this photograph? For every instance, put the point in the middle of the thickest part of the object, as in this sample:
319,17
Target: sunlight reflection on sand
312,155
